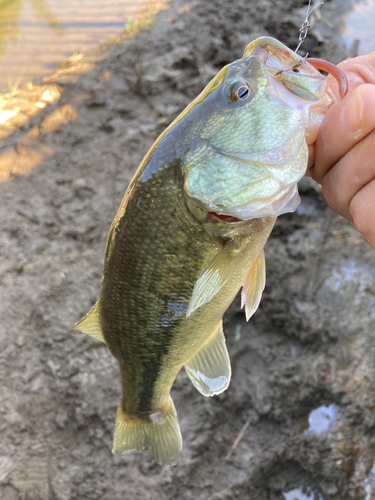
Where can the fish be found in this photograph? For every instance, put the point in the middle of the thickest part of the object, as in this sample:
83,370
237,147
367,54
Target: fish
191,230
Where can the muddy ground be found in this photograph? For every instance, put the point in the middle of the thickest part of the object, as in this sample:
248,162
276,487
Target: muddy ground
311,343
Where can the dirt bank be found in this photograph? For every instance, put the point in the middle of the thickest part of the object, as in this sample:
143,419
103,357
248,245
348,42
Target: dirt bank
310,344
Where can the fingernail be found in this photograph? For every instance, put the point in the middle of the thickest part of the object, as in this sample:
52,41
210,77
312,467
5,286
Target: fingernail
352,112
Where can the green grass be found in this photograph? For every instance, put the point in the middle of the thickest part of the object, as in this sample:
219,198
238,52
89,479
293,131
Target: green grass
14,86
142,24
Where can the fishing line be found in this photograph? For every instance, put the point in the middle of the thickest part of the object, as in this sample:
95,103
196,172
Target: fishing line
306,25
320,63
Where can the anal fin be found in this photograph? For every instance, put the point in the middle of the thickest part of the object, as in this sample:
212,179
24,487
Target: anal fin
209,369
90,324
254,285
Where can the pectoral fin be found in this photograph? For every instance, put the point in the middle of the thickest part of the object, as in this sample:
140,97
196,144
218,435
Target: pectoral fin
254,286
90,324
209,369
212,279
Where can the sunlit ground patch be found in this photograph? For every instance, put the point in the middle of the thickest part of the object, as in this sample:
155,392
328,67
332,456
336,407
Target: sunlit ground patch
19,106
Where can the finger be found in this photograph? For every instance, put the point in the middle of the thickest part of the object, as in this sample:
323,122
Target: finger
311,157
350,175
345,124
358,71
362,209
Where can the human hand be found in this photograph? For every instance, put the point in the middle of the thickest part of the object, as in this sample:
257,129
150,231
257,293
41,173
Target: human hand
342,159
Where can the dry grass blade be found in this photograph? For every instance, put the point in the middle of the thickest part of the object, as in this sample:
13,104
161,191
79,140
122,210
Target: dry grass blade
238,439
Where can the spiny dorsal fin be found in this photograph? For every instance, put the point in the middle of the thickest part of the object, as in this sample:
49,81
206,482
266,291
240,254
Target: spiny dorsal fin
109,245
90,324
254,286
212,278
209,369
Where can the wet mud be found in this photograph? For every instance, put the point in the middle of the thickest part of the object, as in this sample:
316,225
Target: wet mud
298,419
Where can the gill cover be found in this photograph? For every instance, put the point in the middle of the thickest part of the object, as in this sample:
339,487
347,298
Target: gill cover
251,150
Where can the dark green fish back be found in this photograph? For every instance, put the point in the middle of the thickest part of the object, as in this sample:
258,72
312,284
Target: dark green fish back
155,258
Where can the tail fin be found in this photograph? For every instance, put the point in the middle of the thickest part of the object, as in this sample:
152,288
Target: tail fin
160,432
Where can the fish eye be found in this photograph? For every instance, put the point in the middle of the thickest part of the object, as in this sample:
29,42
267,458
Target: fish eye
239,91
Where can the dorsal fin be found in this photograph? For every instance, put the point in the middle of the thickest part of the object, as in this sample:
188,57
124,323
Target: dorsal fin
254,286
109,245
90,324
209,369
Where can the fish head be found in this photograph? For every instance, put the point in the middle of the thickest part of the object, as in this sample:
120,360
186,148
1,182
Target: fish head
250,146
292,77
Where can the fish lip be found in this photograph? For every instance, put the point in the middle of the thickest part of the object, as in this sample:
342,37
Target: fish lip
271,46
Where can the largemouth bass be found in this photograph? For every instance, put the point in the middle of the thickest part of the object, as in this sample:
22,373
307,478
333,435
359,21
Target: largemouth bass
190,233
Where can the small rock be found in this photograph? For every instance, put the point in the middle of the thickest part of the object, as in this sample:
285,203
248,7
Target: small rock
20,341
79,184
37,383
61,419
53,367
277,483
329,489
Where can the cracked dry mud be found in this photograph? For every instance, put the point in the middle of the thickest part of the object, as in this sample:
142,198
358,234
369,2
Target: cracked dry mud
311,344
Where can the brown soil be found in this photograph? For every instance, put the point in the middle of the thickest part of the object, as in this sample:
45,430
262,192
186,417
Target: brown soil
311,343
